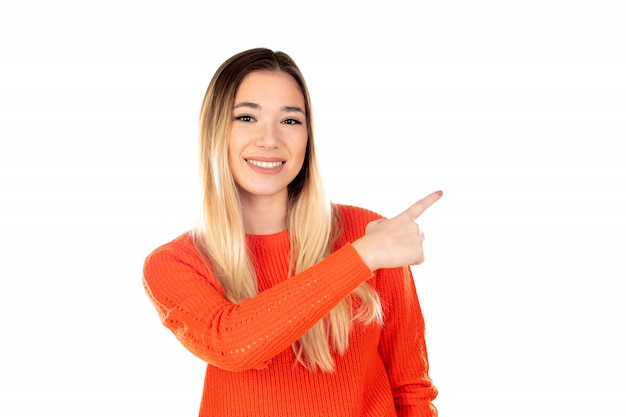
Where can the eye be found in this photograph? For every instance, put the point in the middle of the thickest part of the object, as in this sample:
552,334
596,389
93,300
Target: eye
244,118
292,122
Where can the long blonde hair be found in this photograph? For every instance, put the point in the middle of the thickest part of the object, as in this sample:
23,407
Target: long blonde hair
312,224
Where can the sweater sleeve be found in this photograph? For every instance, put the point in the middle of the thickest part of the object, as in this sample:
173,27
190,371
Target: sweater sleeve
402,345
236,337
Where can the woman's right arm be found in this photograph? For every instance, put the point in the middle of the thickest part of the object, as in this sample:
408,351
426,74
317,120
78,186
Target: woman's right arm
191,303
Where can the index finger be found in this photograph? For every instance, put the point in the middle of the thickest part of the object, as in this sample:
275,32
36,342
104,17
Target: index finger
420,207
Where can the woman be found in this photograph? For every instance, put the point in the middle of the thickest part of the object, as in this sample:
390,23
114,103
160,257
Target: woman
298,306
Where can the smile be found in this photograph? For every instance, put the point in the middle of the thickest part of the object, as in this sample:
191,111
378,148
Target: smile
265,164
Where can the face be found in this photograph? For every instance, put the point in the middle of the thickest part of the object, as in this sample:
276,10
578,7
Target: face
268,137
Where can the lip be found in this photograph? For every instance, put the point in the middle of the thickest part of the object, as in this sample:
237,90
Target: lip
264,159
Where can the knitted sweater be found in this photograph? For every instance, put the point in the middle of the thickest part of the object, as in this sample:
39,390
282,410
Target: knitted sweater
251,367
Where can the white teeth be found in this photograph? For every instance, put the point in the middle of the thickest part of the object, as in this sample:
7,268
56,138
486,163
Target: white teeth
263,164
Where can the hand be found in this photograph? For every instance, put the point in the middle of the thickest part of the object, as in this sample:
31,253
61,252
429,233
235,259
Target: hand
396,241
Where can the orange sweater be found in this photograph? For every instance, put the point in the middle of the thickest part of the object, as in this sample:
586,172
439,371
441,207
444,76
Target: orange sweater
252,370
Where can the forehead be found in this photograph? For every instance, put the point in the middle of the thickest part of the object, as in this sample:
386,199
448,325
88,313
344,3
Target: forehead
270,86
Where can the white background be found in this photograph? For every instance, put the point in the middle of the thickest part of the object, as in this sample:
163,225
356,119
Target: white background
515,109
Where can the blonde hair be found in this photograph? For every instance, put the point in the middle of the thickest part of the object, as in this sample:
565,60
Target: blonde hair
312,224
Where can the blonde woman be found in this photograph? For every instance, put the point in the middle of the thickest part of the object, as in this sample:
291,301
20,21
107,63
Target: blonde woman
298,306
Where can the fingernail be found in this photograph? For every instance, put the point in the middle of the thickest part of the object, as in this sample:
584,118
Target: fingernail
439,192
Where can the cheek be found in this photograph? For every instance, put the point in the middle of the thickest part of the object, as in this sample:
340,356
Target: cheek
303,155
233,153
234,146
301,146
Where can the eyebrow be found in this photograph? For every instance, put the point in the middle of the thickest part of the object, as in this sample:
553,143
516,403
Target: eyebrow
247,104
257,107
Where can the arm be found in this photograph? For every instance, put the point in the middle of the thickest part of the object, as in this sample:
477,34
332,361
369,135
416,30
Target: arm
402,344
248,335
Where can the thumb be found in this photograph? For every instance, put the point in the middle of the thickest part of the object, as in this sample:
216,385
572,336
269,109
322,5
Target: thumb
373,224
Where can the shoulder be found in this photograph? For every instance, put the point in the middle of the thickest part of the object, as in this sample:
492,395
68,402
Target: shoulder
353,221
176,261
182,248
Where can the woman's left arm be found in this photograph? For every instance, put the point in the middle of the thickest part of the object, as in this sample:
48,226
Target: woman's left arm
403,346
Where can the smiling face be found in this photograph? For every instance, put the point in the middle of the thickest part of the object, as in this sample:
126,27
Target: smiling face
268,136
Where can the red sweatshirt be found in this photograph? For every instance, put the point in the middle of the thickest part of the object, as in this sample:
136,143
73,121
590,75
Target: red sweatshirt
251,367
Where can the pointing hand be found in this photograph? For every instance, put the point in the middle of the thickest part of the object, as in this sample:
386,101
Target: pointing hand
397,241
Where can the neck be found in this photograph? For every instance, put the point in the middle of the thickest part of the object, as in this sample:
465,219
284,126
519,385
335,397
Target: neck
264,215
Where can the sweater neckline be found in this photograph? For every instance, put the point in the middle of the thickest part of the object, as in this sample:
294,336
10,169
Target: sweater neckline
271,240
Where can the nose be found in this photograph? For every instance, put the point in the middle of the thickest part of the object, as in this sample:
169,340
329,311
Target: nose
269,137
